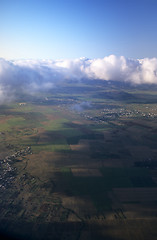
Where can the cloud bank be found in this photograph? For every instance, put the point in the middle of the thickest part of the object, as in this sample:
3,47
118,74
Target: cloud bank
30,76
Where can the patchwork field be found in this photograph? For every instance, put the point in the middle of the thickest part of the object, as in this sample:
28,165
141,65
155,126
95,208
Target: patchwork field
80,163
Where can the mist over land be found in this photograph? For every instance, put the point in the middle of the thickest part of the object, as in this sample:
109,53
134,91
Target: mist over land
31,76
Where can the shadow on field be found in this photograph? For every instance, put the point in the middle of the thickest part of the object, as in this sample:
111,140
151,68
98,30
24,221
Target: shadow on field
20,230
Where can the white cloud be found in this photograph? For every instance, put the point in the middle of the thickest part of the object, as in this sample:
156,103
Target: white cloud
35,75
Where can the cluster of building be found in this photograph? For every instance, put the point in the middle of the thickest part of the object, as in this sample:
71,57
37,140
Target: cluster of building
7,170
108,114
120,112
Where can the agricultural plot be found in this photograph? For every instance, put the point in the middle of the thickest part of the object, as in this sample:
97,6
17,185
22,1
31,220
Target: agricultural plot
69,164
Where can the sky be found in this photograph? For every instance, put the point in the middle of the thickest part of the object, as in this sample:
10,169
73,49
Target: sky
70,29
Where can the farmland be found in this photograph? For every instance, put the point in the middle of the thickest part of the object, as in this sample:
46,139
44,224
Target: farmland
75,164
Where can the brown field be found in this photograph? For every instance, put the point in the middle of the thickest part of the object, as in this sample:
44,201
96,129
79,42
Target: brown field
4,120
136,194
42,164
82,146
86,172
132,229
83,207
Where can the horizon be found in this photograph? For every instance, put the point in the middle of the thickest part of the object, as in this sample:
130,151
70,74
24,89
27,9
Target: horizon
32,76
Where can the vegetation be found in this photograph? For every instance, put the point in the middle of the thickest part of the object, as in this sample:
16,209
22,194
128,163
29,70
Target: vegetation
80,163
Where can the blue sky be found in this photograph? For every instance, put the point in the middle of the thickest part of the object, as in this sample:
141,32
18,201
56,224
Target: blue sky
59,29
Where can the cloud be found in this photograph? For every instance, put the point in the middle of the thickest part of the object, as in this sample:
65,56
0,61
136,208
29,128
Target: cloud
30,76
81,106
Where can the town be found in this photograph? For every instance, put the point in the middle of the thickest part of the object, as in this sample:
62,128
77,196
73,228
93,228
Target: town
119,113
8,171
